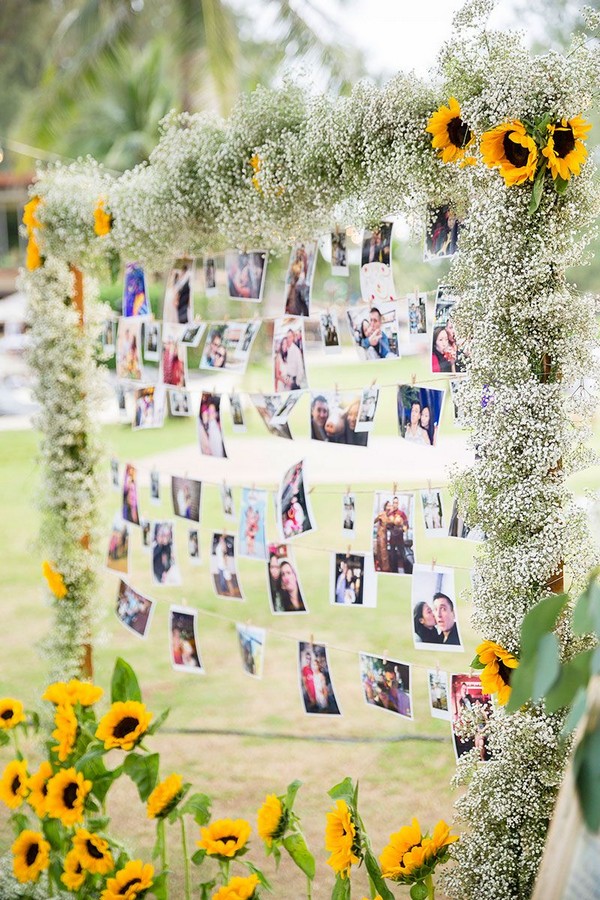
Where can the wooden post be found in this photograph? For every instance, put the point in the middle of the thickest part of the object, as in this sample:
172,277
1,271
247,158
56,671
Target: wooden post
557,583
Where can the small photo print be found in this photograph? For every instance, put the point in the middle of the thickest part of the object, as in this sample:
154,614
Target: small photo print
155,486
316,686
349,514
210,276
228,345
441,232
298,279
118,546
192,334
186,494
227,502
368,407
471,710
131,512
417,313
173,357
393,533
285,593
334,418
135,294
252,648
121,402
178,306
450,352
433,599
108,338
374,331
267,406
437,683
288,355
252,541
145,528
433,514
377,284
114,474
129,350
352,580
386,683
180,403
288,402
294,512
376,244
330,332
165,570
194,546
339,253
458,528
419,413
133,610
455,396
210,430
185,655
152,340
246,274
237,413
222,567
150,405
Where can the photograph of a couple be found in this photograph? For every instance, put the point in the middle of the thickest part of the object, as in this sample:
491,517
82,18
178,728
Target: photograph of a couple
316,686
471,711
133,610
149,407
393,533
252,541
186,494
180,403
419,413
435,622
334,417
185,656
330,332
245,271
449,351
210,430
386,683
441,232
129,350
352,580
228,345
433,514
374,330
165,570
222,566
298,279
285,593
252,648
135,294
376,244
294,513
288,355
173,357
117,557
178,304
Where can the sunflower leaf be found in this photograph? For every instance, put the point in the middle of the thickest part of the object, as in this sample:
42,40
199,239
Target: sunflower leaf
198,806
159,887
52,833
295,845
260,875
547,667
341,889
343,791
560,184
152,729
92,753
573,674
290,796
419,891
4,738
376,877
198,857
538,190
124,685
143,771
476,663
586,769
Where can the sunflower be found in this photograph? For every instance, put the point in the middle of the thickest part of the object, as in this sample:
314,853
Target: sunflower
451,136
256,163
123,725
73,872
30,220
65,731
14,783
401,843
56,582
238,888
65,800
440,839
341,839
130,882
33,255
102,220
271,819
165,797
38,787
11,713
512,150
225,837
31,855
498,663
565,150
61,693
92,852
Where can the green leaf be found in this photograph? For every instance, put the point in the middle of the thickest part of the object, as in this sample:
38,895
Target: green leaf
560,185
256,871
159,844
206,889
595,663
547,666
586,615
159,887
198,806
476,663
4,738
521,683
290,796
124,685
19,821
152,729
376,877
343,791
53,833
419,891
143,770
577,710
537,193
114,264
341,889
198,857
586,769
100,823
540,620
295,845
573,674
92,753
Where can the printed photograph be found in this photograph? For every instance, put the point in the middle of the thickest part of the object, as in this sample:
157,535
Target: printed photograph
121,399
194,546
349,515
227,502
339,253
458,528
456,408
267,406
185,654
334,417
145,528
155,486
129,350
394,533
352,580
152,340
288,402
330,332
419,413
210,431
368,407
180,403
134,611
450,353
150,405
285,593
374,330
252,648
377,285
316,687
386,683
471,710
173,357
252,542
186,494
117,558
192,334
294,511
298,279
433,514
178,306
228,345
130,511
437,683
442,228
165,570
433,599
108,338
417,313
288,355
222,566
210,276
237,412
245,274
114,474
135,294
376,244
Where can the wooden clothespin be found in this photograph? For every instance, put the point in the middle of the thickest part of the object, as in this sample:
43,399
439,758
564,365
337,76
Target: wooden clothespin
349,551
312,639
433,561
184,601
413,379
385,655
395,487
437,668
429,485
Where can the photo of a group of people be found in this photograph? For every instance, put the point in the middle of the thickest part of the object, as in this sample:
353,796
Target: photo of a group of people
393,533
117,557
330,332
152,332
180,403
129,350
339,253
442,231
130,511
178,304
294,513
228,345
374,330
288,355
298,279
252,648
185,655
316,687
285,593
133,610
165,570
386,683
245,271
471,711
173,357
352,579
252,540
417,313
433,514
135,294
186,494
435,621
419,413
449,351
210,430
334,418
149,407
222,566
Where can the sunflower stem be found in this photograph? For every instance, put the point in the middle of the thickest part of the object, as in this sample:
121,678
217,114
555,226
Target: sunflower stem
308,888
163,850
16,742
225,870
430,887
186,861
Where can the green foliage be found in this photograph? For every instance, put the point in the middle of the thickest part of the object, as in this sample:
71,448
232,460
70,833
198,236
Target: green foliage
295,845
124,684
198,806
143,771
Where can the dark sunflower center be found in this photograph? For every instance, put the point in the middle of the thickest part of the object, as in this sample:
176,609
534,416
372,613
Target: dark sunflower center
504,672
15,784
78,869
564,141
93,850
70,795
31,855
44,789
229,837
515,153
459,132
126,726
129,884
6,714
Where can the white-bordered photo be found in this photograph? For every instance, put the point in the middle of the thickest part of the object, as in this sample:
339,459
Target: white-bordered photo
165,570
387,684
129,350
117,557
352,580
433,513
186,494
339,253
245,272
437,683
334,416
133,609
183,640
417,313
330,332
470,709
210,429
442,229
394,532
150,403
285,592
152,330
267,406
458,527
146,532
135,293
108,338
210,276
288,402
252,648
236,408
433,602
455,397
223,568
114,474
299,277
228,345
252,541
178,305
288,355
420,413
121,398
377,244
192,334
194,546
130,512
180,403
155,486
450,352
173,356
374,330
227,502
349,514
294,511
369,399
316,686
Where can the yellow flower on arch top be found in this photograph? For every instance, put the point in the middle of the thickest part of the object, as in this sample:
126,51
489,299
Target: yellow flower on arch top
31,855
451,135
509,148
498,664
565,150
123,725
56,582
226,838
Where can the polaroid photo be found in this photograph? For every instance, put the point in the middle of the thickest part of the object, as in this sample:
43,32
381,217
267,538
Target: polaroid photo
117,557
186,494
294,512
433,514
456,407
252,541
150,403
387,683
267,406
145,530
114,474
334,417
316,687
288,355
227,502
470,710
288,402
165,570
450,352
377,245
129,364
210,430
180,403
458,528
135,293
194,546
228,346
130,510
417,313
152,330
108,338
192,334
349,515
442,228
155,486
419,413
185,652
222,567
121,398
245,273
237,412
178,305
210,276
374,330
252,648
133,609
299,277
352,580
285,593
173,357
437,682
433,602
330,332
368,407
339,253
394,532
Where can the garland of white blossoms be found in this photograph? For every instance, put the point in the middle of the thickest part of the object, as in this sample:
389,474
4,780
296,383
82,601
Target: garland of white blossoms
287,166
